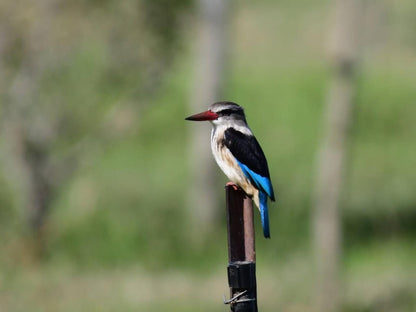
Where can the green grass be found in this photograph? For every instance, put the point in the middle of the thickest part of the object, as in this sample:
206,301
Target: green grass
376,277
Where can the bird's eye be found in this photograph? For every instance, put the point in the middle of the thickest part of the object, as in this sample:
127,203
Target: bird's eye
227,112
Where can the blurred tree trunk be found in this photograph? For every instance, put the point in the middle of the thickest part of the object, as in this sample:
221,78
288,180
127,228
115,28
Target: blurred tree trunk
207,88
344,46
45,134
27,131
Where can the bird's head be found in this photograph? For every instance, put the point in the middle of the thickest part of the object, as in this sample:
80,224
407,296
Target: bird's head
221,113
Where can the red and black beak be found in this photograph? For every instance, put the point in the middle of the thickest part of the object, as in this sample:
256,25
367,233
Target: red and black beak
208,115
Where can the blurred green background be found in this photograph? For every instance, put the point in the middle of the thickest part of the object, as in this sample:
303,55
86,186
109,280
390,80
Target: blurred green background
94,96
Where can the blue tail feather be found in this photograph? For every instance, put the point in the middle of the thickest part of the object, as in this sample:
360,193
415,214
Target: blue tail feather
264,213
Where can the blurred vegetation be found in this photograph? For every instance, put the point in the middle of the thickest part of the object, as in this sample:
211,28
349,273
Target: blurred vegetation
117,75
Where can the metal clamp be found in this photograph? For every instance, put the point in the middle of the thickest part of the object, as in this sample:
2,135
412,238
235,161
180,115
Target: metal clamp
234,299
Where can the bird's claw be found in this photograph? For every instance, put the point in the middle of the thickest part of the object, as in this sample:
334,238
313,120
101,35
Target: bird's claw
233,185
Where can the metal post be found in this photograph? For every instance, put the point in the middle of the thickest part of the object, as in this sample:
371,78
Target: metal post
241,251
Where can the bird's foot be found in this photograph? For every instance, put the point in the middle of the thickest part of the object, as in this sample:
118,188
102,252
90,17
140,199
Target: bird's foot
233,185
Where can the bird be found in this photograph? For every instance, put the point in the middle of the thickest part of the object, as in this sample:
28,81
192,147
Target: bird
239,155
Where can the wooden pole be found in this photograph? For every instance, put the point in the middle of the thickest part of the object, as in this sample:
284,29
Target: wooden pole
241,251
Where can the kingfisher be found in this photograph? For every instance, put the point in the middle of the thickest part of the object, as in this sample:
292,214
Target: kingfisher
239,155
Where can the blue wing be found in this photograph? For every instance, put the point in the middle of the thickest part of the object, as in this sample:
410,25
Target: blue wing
250,158
261,183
